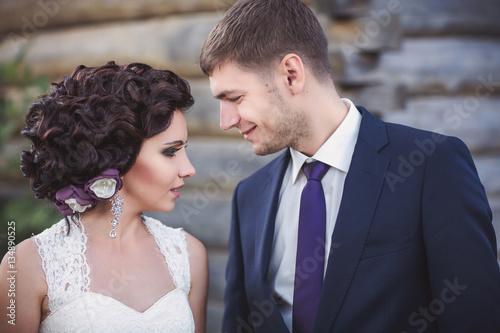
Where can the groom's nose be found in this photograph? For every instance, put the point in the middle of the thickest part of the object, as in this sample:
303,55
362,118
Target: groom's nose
229,116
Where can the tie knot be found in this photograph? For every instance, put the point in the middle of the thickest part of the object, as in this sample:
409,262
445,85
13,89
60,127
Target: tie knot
315,170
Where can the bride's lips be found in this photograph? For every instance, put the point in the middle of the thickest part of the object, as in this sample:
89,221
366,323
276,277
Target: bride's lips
175,191
248,133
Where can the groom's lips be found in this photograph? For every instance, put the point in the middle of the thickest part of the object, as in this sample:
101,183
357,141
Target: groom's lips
248,133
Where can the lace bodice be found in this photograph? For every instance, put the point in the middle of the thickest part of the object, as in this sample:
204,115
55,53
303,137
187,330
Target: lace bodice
75,308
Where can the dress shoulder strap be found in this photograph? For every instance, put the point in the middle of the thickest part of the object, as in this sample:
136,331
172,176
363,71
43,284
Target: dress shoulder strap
62,251
172,244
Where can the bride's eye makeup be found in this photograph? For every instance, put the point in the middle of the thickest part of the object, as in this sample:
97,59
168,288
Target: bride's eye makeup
170,151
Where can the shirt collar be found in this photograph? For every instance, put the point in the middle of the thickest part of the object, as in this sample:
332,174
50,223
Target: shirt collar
338,149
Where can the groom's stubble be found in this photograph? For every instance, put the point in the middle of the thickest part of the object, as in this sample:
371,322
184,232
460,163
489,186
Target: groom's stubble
290,127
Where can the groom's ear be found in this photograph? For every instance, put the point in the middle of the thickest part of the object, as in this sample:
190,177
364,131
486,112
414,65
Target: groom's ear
291,71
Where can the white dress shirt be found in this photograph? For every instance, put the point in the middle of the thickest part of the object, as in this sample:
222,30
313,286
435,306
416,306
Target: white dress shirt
337,153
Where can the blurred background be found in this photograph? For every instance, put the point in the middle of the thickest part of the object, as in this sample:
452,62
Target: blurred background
430,64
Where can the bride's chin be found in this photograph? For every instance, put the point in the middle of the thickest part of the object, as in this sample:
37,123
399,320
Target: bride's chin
167,209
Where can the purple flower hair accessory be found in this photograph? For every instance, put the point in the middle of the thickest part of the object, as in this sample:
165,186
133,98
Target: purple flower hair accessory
73,199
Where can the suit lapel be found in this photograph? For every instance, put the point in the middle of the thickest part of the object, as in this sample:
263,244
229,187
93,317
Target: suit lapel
266,213
265,208
362,188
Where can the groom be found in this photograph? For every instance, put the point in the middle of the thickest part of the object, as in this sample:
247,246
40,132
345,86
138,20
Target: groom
335,235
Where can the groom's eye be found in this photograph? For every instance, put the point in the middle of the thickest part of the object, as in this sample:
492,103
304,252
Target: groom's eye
234,99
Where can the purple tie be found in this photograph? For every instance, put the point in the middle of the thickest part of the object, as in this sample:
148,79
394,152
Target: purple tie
310,249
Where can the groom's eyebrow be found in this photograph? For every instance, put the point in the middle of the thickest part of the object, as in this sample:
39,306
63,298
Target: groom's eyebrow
225,93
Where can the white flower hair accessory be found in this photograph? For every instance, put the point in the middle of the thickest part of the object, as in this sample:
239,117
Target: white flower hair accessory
105,185
75,206
104,188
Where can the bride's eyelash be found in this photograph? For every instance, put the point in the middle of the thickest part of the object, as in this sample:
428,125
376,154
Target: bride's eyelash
170,152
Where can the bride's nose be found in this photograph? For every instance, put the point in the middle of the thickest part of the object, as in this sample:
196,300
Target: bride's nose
186,169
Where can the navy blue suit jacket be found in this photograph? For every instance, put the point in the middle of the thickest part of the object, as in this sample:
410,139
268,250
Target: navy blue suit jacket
413,248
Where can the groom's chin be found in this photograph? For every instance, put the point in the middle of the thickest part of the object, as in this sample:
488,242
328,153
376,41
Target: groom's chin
261,150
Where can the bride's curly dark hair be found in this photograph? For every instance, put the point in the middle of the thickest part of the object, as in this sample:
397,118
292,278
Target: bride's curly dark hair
97,119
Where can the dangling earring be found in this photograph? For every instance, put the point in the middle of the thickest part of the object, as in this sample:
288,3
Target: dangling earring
116,210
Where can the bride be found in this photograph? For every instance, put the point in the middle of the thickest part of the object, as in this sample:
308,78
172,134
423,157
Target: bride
108,143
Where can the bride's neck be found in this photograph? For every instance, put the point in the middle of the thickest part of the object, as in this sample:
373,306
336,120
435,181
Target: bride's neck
97,223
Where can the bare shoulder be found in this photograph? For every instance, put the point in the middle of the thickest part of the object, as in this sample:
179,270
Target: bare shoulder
22,287
198,266
24,256
198,259
195,248
25,261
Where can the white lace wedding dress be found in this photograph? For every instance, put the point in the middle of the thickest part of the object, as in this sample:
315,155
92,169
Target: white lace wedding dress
75,308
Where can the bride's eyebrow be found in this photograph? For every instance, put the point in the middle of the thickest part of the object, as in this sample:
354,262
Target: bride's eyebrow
176,143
